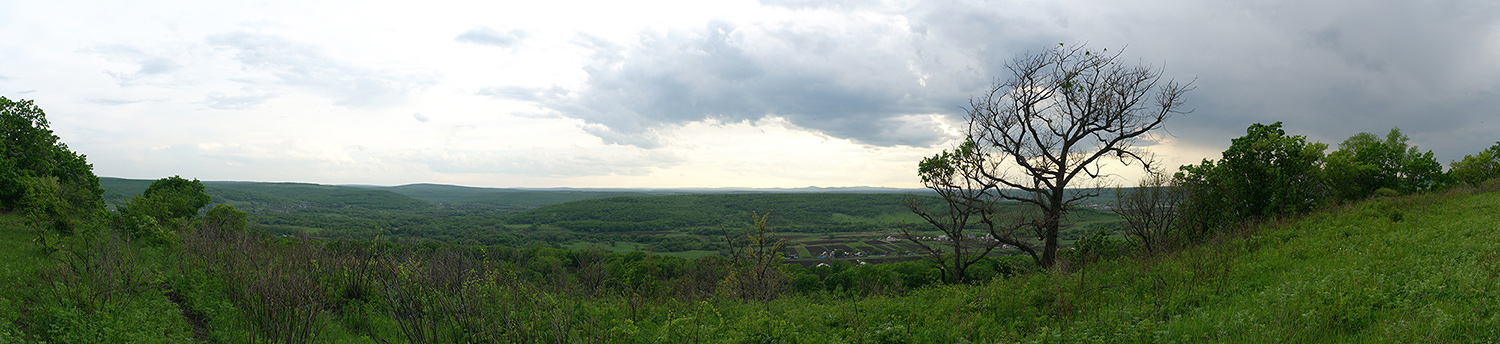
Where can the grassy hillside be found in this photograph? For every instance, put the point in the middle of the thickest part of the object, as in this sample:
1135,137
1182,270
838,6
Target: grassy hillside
1423,268
1418,269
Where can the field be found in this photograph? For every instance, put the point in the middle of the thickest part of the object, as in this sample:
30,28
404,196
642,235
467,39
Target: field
849,226
1421,268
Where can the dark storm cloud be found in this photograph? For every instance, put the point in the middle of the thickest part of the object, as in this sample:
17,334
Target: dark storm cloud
1328,69
490,37
1334,69
841,81
305,66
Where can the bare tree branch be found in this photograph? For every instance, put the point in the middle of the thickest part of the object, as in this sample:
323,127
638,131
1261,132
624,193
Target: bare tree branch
1050,126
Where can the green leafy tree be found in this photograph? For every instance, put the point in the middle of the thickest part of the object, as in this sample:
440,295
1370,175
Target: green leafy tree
39,175
1264,173
967,202
226,217
168,205
170,198
1365,163
1477,168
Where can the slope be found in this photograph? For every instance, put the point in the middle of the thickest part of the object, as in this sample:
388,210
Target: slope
1423,268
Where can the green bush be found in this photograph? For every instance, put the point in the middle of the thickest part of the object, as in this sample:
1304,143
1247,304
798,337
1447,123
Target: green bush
1265,173
1477,168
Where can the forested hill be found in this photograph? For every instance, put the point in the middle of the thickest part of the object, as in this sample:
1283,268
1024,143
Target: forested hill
450,213
793,212
790,212
256,195
498,198
405,197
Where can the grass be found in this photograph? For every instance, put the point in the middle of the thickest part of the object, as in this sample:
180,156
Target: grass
1352,274
1358,273
1423,268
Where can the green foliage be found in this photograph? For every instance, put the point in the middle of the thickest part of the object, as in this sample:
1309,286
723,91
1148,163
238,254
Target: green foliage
1348,275
757,270
39,175
1364,163
797,212
343,212
226,217
502,199
170,198
1100,245
166,207
1477,168
1265,173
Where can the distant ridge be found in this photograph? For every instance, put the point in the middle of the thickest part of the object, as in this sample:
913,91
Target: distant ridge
809,189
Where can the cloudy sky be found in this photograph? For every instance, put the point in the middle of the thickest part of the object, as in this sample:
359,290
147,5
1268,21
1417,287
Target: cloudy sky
775,93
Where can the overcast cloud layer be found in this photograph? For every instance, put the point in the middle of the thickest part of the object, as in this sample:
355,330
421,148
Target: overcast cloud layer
782,93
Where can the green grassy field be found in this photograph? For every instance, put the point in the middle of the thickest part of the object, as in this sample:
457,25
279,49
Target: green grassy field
686,225
1419,269
1422,268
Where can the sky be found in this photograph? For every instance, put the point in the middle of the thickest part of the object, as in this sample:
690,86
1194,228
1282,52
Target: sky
773,93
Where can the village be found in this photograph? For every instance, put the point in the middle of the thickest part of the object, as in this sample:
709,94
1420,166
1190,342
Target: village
861,249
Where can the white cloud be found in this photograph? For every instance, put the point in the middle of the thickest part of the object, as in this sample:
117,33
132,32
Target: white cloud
295,64
487,36
698,93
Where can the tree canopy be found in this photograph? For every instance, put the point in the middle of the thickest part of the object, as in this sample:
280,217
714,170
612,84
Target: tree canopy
1264,173
1365,163
39,175
170,198
1477,168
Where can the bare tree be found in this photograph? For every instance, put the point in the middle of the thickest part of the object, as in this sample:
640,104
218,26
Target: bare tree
1150,211
1044,135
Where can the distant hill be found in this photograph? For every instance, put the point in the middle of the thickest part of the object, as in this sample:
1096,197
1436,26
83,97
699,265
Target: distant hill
413,196
507,199
790,212
811,212
117,191
558,216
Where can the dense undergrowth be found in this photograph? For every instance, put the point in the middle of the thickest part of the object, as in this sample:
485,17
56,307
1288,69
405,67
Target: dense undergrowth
1421,268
